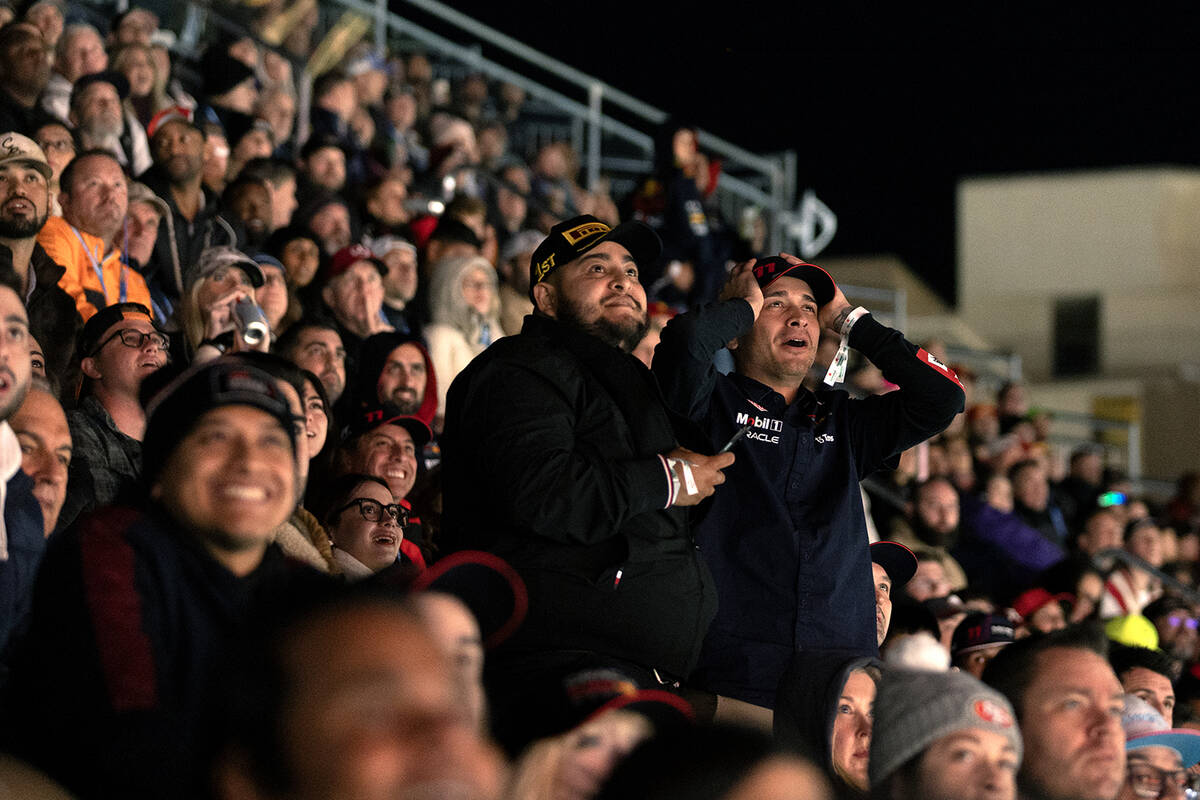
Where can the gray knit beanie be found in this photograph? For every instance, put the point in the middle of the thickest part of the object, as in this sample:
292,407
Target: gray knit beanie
914,709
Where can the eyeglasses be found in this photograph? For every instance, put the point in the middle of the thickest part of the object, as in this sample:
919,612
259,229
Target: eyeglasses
372,510
137,340
1151,783
62,145
1190,623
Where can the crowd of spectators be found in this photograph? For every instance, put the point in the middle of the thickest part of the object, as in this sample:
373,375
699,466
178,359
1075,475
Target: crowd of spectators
229,340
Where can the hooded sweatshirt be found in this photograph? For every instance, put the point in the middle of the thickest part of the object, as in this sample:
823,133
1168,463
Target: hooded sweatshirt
458,332
807,702
371,358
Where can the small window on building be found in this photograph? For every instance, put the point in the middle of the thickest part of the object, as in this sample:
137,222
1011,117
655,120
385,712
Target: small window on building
1076,336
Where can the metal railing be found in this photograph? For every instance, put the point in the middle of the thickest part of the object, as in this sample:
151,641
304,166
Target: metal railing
1105,561
766,181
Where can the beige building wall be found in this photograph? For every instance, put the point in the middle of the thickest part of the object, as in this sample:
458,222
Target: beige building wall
1132,237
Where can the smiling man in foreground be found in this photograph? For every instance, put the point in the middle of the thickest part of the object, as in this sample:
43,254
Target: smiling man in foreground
560,456
788,546
134,610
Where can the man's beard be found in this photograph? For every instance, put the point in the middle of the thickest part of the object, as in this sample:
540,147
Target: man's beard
19,228
934,538
104,131
405,402
622,335
182,169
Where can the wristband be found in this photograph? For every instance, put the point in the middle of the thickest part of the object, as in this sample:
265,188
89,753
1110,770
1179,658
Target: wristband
837,369
851,318
689,480
673,489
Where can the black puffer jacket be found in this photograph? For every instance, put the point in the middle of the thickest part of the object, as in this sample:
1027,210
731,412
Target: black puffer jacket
551,460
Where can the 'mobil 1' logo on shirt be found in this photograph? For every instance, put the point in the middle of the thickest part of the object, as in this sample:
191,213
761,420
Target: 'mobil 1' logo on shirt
764,429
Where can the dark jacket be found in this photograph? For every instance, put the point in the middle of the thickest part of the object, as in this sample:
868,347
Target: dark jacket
111,686
785,537
172,262
16,117
551,460
106,464
53,318
25,530
807,704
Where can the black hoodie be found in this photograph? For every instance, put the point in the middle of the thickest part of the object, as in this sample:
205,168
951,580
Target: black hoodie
807,701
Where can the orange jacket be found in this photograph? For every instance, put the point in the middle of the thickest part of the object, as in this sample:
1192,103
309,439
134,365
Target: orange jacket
58,239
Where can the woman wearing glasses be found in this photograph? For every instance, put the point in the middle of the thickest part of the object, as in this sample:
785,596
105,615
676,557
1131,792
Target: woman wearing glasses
366,526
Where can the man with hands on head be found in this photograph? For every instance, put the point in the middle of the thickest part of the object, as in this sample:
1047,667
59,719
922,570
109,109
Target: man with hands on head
787,541
560,456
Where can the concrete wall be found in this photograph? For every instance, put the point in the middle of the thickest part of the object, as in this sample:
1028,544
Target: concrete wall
1130,237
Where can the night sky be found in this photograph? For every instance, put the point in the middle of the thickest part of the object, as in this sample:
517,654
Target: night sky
889,110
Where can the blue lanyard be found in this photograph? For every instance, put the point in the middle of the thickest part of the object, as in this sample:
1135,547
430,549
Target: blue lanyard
100,270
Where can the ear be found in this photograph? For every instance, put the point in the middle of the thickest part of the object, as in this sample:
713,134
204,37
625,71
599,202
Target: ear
545,299
88,367
327,296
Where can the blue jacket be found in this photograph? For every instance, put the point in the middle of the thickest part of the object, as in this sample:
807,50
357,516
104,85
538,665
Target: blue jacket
26,543
785,537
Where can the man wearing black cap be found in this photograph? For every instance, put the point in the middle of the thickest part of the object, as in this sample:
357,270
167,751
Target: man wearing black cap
102,122
560,456
788,549
134,610
119,348
892,566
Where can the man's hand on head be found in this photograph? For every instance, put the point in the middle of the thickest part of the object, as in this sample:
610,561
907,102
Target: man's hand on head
742,283
834,313
706,474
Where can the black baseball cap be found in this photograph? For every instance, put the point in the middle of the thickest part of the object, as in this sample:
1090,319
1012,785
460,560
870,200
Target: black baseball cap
898,561
387,414
978,630
771,268
571,239
99,323
175,410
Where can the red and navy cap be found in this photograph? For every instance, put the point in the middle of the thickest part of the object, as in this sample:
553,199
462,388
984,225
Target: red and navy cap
978,630
771,268
387,414
898,561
